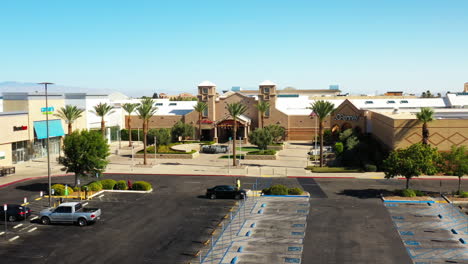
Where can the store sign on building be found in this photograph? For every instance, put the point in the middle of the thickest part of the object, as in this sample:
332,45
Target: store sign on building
346,117
47,110
20,128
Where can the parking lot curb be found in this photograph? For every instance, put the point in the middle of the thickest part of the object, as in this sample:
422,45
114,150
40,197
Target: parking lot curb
175,174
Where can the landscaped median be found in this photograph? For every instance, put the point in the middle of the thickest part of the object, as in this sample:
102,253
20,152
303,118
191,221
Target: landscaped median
268,154
166,152
97,187
284,191
408,195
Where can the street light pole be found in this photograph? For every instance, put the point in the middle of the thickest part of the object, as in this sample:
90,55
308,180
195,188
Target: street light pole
47,143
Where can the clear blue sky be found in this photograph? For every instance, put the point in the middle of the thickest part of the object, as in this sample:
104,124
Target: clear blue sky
154,46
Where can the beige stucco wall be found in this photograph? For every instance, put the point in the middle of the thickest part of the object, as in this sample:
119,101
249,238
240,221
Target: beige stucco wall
401,133
165,121
35,114
8,135
15,105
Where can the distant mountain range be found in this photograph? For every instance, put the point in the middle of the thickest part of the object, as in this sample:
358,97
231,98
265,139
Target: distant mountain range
33,87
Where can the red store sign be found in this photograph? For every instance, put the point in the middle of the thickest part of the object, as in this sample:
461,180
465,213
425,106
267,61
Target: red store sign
20,128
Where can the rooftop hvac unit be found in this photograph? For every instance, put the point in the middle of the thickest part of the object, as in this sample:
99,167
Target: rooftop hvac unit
396,111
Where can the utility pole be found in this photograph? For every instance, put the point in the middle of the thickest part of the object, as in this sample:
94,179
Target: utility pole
47,142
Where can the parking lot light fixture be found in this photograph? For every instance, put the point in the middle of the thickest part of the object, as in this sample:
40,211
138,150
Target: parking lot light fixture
47,141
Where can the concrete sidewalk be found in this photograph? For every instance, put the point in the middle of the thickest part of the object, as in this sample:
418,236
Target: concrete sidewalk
290,163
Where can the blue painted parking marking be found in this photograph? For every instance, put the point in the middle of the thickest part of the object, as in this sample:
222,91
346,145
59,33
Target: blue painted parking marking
301,211
298,225
297,233
412,243
406,233
391,205
398,217
303,204
292,260
294,248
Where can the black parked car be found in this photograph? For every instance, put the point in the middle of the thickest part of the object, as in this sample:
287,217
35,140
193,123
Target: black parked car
225,191
15,212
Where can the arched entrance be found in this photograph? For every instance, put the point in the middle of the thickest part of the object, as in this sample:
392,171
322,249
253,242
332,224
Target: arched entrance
346,126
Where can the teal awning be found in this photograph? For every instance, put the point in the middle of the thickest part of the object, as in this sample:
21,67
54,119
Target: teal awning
55,129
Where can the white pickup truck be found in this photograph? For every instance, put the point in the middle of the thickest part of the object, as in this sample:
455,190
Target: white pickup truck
73,212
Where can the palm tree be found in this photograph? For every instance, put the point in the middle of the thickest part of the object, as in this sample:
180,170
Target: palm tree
426,115
200,107
263,107
103,109
322,109
69,114
235,110
129,108
145,111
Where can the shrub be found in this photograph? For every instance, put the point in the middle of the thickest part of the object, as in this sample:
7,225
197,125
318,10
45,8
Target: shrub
464,195
121,185
277,132
261,138
338,148
95,186
419,193
295,191
263,152
276,190
108,184
76,189
59,189
370,168
141,186
408,193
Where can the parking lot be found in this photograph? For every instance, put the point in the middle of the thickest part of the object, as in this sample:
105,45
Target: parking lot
347,222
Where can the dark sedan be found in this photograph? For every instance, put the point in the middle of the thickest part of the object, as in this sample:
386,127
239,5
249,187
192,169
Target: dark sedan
226,192
15,212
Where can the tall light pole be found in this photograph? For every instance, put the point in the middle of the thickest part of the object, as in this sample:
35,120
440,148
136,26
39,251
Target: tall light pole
47,142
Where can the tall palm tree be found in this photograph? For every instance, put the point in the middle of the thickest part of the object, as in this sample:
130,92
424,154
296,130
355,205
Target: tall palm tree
103,109
263,107
145,111
129,108
200,107
235,110
69,114
322,109
425,116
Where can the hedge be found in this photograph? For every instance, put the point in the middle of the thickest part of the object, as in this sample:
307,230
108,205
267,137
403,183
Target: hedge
141,186
294,191
108,184
121,185
370,168
263,152
95,186
59,189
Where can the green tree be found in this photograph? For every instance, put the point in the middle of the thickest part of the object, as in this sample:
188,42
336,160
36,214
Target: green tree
103,110
84,152
322,110
263,107
338,148
129,108
182,130
200,107
261,137
411,162
69,114
277,132
425,116
163,136
455,163
235,110
145,111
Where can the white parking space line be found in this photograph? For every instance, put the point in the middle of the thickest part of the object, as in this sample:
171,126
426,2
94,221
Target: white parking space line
85,204
36,217
100,196
18,225
13,238
32,229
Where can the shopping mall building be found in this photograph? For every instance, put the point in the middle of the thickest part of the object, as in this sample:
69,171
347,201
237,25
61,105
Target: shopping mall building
390,118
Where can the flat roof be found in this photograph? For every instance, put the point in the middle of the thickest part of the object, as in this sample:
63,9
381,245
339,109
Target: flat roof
438,115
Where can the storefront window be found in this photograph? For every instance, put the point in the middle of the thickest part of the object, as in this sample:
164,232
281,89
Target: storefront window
19,151
40,147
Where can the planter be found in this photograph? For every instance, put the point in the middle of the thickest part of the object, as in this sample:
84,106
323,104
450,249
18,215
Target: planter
261,157
276,147
170,156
